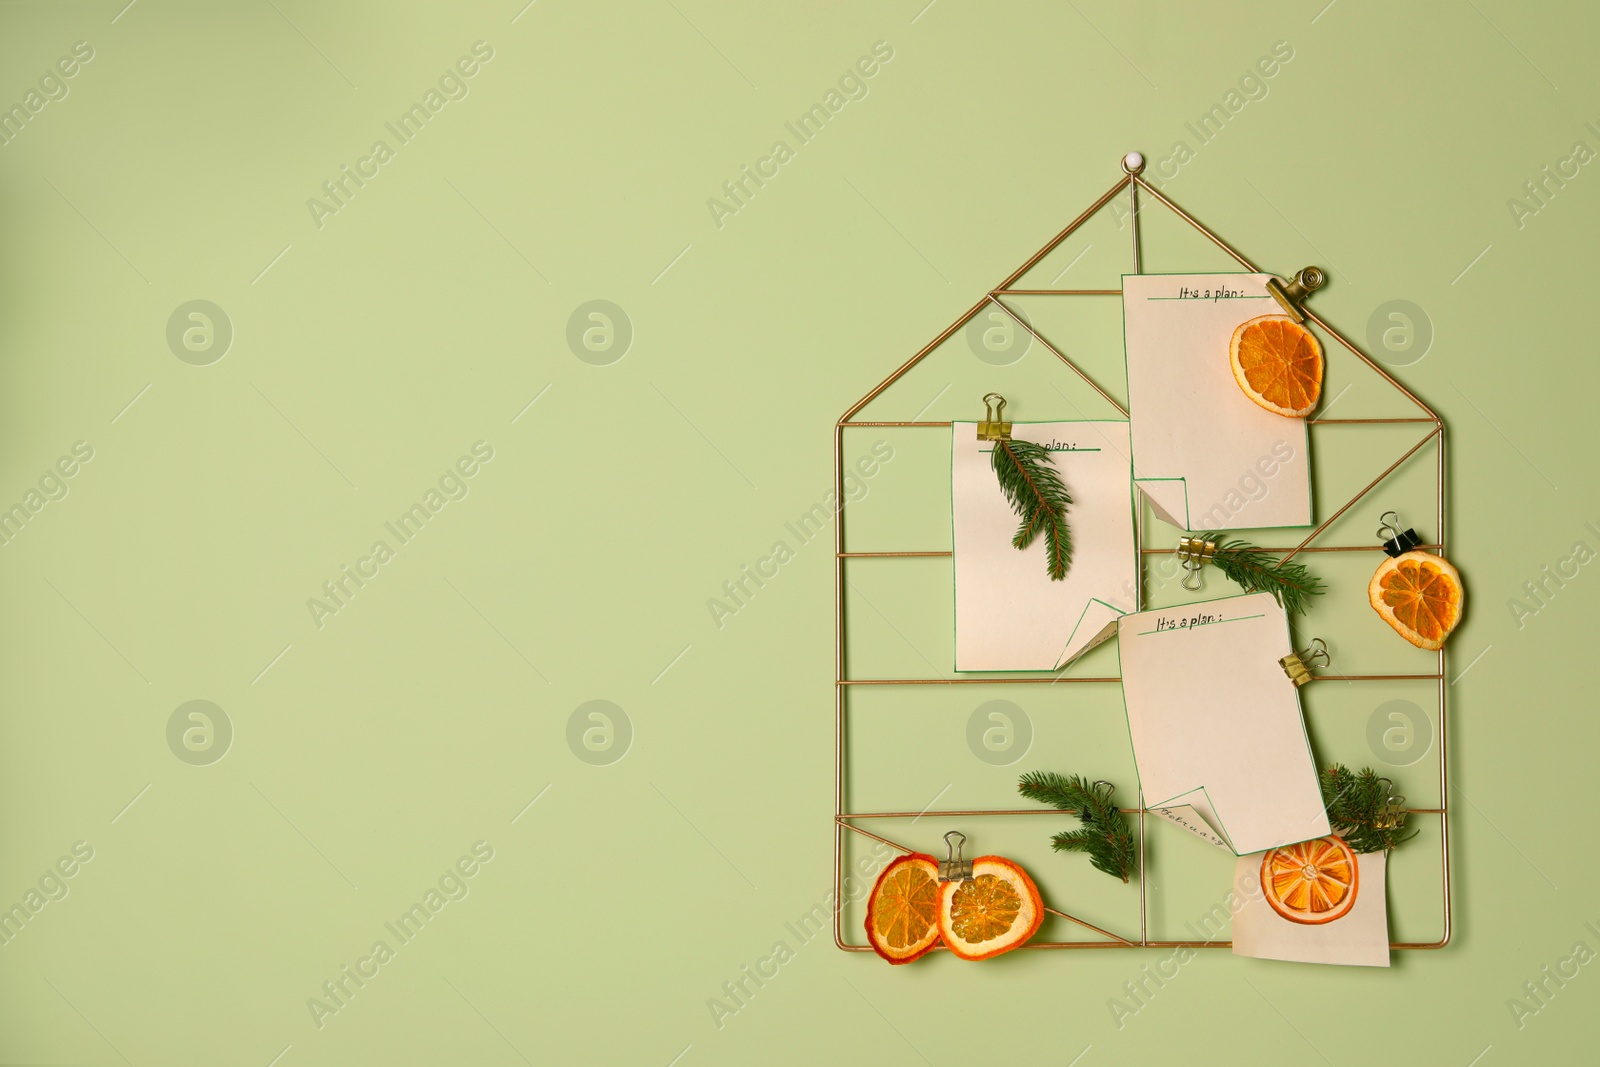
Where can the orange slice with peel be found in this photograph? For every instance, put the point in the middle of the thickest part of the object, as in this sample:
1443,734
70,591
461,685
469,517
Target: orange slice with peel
999,910
1420,595
1313,882
1278,364
902,912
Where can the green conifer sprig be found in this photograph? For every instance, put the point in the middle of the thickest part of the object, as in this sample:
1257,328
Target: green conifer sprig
1355,801
1106,835
1030,481
1256,571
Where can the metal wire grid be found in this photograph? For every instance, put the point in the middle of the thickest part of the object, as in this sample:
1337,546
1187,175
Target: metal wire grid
844,820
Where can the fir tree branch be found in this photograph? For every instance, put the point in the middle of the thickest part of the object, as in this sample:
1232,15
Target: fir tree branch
1255,571
1106,836
1354,801
1030,481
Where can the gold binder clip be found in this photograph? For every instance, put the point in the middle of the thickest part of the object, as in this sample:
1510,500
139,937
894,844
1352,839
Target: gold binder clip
1298,665
991,428
1194,553
1396,542
1393,810
1292,294
955,869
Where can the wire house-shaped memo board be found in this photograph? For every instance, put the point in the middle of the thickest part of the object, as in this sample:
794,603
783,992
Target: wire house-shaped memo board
845,820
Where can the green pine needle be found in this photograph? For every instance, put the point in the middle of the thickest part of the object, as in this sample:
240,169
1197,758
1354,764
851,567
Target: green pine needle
1106,835
1353,800
1255,571
1030,481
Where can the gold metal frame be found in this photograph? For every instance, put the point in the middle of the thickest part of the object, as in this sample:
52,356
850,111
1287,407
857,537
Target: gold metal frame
844,820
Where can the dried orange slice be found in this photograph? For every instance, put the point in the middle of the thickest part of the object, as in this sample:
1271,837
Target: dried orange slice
999,910
1313,882
1278,364
1420,595
902,913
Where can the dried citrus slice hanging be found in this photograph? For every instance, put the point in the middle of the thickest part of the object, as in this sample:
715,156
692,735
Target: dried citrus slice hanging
1278,364
1420,595
1313,882
998,910
902,913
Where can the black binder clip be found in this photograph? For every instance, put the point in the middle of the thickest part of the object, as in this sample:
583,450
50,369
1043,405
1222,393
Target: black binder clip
1396,542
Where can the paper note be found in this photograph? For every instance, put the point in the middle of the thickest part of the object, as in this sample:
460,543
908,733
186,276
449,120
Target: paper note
1216,722
1010,615
1206,455
1188,816
1359,937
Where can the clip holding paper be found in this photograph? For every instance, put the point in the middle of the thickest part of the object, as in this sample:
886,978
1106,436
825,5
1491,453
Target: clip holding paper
1291,295
1393,810
1297,665
955,869
1194,553
991,428
1395,541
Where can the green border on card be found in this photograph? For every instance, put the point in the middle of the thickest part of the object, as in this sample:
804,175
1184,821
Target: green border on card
1305,736
1058,666
1305,430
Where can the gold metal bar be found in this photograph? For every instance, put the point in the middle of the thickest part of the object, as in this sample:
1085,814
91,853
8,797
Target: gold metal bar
1444,799
1444,774
1313,316
914,360
1375,677
964,319
1362,422
1192,221
1169,944
1045,945
838,691
979,812
1348,504
1055,680
884,555
1090,926
1059,355
1144,908
1138,539
1033,260
1056,292
971,681
1321,548
1086,925
868,833
965,814
1031,944
1369,361
1439,473
1133,218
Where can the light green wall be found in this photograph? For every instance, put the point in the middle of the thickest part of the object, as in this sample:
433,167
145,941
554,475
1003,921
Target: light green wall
370,352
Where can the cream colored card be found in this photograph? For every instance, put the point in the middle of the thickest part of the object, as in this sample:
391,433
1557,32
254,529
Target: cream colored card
1190,817
1206,455
1360,937
1216,722
1010,616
